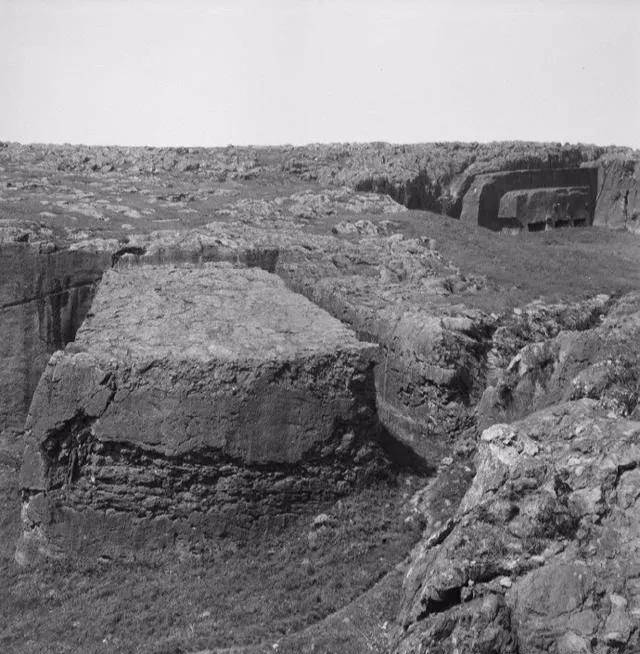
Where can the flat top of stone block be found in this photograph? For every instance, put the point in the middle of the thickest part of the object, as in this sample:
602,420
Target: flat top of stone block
548,190
212,311
532,171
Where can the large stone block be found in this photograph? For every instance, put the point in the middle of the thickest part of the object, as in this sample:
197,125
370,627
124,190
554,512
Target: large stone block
540,208
481,203
193,401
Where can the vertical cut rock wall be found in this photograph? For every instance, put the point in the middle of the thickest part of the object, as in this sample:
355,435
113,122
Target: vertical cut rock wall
43,300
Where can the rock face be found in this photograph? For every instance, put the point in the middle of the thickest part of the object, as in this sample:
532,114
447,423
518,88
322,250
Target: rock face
430,370
543,554
537,209
432,176
481,204
601,363
193,401
43,299
382,287
618,203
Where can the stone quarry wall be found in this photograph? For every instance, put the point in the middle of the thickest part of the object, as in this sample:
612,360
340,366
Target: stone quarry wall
481,204
618,195
44,297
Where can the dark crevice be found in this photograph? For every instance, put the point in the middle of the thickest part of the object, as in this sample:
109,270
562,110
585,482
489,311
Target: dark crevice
446,599
136,250
418,192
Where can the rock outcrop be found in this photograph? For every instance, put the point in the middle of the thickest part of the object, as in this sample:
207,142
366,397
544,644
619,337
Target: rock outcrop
274,326
601,363
430,369
618,199
193,401
543,554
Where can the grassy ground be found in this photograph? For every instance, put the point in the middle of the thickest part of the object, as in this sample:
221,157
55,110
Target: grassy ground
247,592
559,264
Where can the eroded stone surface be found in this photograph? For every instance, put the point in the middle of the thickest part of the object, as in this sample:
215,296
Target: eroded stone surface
122,207
543,554
599,363
430,372
619,194
193,399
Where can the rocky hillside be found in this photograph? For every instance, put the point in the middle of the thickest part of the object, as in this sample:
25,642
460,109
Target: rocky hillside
432,177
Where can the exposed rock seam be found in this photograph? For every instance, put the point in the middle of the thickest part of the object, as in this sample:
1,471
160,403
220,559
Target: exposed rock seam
44,296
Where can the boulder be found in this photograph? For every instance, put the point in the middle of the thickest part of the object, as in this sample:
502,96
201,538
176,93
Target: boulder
194,401
481,203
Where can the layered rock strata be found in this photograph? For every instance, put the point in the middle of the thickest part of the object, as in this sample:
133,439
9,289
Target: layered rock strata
194,401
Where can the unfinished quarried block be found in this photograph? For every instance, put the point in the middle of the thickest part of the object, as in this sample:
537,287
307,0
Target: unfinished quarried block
540,208
194,400
481,203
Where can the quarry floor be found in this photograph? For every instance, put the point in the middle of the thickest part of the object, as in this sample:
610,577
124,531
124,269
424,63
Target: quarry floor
254,592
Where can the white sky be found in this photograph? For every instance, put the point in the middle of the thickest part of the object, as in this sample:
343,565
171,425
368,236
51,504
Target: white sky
214,72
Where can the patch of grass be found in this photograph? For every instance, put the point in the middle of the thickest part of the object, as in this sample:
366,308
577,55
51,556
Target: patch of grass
245,592
562,264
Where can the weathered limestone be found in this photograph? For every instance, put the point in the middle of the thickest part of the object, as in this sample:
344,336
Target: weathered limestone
43,299
539,208
481,203
618,199
431,365
194,400
602,362
430,370
543,554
